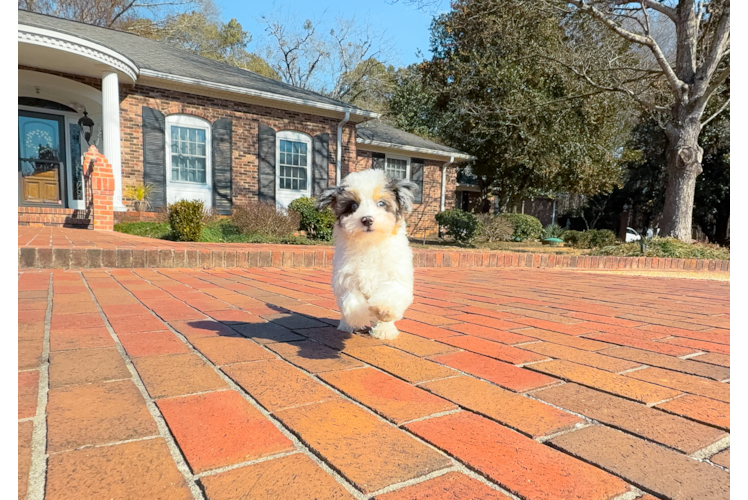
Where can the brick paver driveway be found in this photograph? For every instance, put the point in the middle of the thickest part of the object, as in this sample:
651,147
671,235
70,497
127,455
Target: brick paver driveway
228,384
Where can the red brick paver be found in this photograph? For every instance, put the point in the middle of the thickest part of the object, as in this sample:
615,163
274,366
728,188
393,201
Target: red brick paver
234,383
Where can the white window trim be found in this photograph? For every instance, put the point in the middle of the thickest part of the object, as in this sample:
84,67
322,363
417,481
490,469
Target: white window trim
289,135
192,122
398,157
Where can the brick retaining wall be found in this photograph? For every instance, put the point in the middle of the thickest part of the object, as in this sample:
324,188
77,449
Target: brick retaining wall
296,256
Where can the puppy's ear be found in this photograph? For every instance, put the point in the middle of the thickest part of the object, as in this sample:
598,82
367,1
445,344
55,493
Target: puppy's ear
404,194
327,198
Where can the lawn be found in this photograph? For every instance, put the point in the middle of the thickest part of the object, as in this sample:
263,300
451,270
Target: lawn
223,231
500,246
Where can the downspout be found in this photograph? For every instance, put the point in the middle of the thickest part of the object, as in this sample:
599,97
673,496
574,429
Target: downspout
444,183
339,149
443,193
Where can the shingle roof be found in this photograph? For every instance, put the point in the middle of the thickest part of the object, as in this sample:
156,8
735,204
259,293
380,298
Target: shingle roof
377,133
157,56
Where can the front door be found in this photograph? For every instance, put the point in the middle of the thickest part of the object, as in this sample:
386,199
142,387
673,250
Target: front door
41,158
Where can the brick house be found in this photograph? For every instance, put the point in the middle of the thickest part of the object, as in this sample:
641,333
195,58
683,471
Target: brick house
193,128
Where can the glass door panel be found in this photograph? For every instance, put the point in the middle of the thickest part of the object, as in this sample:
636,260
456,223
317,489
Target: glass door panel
41,158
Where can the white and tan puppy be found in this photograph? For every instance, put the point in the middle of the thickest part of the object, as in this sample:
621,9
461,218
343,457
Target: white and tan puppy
372,270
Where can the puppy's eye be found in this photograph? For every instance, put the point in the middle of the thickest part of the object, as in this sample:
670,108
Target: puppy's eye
354,207
381,204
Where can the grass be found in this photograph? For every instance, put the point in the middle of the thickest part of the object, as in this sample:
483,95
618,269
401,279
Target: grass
221,231
503,246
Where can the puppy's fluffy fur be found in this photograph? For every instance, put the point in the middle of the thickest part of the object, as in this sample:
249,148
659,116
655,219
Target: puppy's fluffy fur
372,275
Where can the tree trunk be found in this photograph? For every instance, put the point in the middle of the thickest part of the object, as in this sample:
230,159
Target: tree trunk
683,166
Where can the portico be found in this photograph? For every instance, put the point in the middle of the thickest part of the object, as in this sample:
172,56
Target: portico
51,141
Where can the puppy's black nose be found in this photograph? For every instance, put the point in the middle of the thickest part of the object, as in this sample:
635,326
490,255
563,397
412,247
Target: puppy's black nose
367,221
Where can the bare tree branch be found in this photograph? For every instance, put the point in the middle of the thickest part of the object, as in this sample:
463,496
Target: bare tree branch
716,113
716,51
119,14
654,5
676,84
716,82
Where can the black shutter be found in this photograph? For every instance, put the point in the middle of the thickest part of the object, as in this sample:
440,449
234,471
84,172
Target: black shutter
222,132
416,175
320,163
266,163
377,160
154,156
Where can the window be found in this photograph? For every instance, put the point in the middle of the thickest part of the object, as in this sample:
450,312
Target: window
293,162
293,166
188,154
188,159
397,168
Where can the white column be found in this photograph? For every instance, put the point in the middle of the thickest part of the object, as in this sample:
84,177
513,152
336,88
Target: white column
110,118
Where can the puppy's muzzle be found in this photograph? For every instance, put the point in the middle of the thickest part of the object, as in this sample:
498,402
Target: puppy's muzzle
367,221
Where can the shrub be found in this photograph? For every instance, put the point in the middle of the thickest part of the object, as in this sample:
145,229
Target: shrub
552,231
495,227
186,219
667,247
591,238
318,225
462,226
602,238
526,227
211,216
265,219
574,238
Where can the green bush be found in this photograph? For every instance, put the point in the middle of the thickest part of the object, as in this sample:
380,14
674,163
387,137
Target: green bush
576,239
667,247
591,238
462,226
526,227
495,228
318,225
265,219
602,238
186,219
552,231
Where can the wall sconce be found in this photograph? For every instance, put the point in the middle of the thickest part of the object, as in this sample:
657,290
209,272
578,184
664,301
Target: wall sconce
86,124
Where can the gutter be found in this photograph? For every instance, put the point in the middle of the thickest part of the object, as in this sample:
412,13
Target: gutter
339,149
415,149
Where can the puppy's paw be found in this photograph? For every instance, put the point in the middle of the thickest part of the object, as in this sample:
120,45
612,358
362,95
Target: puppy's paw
384,331
383,314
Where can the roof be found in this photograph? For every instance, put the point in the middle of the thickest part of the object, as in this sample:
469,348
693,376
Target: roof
376,133
160,60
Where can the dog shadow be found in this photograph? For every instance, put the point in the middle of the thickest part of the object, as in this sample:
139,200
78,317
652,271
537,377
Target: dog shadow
316,338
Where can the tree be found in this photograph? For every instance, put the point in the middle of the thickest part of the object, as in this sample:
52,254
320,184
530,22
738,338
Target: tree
486,91
200,32
349,61
643,191
699,69
106,13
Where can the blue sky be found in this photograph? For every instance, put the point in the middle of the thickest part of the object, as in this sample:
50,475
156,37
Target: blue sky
405,25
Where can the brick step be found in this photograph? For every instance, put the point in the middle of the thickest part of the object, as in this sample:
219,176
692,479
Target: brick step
59,217
293,256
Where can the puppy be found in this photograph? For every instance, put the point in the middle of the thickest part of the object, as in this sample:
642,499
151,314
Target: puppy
372,270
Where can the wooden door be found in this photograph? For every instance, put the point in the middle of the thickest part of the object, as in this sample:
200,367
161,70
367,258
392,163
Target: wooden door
41,158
